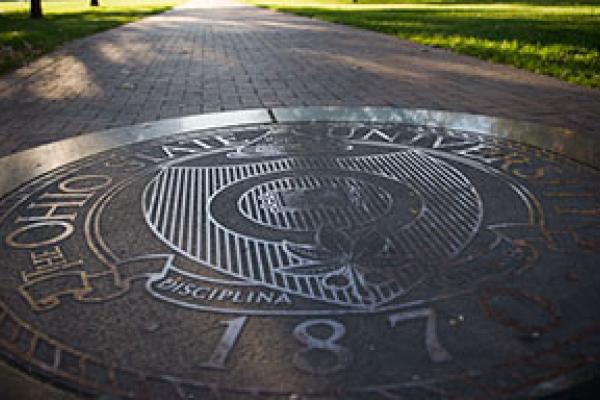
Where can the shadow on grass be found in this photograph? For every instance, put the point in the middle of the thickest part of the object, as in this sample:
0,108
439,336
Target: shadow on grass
546,3
581,30
557,45
23,39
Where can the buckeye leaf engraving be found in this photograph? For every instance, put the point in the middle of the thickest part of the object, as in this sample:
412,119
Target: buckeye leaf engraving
336,246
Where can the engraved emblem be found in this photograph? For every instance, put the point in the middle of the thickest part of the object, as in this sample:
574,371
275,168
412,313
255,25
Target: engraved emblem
302,217
375,260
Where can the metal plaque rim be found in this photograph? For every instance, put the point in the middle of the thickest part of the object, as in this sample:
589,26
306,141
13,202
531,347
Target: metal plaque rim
19,168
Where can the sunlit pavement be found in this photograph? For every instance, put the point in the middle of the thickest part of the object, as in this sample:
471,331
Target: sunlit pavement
217,55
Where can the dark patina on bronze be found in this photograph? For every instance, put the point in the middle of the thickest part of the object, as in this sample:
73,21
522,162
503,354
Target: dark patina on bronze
307,253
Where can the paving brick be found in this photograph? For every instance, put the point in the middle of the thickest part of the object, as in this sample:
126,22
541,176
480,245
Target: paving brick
222,55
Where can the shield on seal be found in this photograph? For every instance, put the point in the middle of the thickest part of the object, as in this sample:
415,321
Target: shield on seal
352,230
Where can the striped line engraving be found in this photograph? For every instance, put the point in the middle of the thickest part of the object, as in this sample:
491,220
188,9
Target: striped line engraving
177,203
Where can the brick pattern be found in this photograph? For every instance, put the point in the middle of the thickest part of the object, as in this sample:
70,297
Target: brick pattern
213,55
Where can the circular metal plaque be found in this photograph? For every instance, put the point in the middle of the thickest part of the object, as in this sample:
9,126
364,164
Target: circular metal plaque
290,259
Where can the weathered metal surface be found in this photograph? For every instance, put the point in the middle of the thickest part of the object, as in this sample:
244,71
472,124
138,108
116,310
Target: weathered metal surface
310,253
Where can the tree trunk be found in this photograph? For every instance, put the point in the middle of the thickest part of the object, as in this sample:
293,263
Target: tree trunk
94,3
36,9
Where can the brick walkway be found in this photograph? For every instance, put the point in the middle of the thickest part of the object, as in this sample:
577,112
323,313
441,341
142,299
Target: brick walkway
217,55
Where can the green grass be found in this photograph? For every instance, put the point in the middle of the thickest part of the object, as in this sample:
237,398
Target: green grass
23,39
552,37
